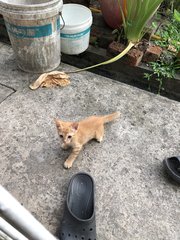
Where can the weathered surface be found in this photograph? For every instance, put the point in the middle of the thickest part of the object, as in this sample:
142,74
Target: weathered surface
134,197
35,42
5,92
152,54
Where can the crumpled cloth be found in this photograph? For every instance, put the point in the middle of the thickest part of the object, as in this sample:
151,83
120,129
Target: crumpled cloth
54,78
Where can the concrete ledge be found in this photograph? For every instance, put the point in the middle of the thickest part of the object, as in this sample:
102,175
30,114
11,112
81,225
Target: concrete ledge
124,73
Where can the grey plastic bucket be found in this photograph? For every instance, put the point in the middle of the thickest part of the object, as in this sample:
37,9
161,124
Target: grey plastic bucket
34,31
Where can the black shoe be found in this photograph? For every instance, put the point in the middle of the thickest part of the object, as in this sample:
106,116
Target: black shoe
79,215
172,166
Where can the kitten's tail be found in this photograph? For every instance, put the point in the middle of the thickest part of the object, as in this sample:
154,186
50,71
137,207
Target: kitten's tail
111,117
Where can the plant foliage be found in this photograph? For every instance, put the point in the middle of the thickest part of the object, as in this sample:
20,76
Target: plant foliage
169,31
138,13
135,17
168,64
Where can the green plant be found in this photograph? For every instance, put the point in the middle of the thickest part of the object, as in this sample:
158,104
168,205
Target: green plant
137,14
167,65
171,4
163,68
119,33
169,32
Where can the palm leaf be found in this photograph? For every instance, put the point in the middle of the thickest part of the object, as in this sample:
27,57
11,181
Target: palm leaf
143,10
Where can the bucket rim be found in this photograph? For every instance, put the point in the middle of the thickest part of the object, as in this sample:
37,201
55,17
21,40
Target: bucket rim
86,21
20,6
31,13
77,5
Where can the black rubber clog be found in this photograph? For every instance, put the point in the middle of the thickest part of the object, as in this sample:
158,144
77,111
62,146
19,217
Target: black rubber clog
78,221
172,166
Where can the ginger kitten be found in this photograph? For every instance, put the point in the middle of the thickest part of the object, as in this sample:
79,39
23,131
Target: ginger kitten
77,134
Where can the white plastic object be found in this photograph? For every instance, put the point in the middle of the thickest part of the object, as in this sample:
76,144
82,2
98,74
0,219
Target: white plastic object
76,31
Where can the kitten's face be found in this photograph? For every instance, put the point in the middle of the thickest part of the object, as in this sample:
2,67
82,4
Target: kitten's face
66,131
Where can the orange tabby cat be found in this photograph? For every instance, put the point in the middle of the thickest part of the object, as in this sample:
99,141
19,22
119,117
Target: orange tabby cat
77,134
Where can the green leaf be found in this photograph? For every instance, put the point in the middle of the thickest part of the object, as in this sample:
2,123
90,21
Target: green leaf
154,25
139,13
176,15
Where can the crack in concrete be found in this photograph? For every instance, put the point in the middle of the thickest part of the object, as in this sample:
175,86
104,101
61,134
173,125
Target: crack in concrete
13,91
4,85
7,97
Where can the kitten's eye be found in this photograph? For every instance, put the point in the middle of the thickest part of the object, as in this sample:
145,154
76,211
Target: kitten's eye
61,136
69,136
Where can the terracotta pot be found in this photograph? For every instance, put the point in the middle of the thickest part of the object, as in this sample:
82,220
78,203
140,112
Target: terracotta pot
111,12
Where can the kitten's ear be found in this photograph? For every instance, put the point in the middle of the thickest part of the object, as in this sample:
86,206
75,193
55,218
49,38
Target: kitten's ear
75,126
58,123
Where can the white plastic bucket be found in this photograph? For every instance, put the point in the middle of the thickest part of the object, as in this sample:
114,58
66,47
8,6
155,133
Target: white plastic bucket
34,28
76,31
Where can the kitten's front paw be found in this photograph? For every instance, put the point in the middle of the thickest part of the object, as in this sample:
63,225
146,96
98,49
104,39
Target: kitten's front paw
67,164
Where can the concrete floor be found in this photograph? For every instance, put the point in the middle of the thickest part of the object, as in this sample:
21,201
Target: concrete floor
135,199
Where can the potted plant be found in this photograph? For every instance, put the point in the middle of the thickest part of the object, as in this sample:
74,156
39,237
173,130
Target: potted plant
137,15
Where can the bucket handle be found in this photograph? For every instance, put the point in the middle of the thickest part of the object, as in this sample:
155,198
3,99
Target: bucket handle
60,14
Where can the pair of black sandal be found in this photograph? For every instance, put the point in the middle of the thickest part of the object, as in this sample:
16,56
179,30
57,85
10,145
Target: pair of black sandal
78,221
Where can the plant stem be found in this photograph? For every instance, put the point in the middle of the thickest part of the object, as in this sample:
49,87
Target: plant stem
114,59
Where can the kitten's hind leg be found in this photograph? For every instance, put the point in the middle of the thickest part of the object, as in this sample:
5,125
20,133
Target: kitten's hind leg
100,134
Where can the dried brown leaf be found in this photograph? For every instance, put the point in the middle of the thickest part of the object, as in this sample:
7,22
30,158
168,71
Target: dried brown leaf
51,79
